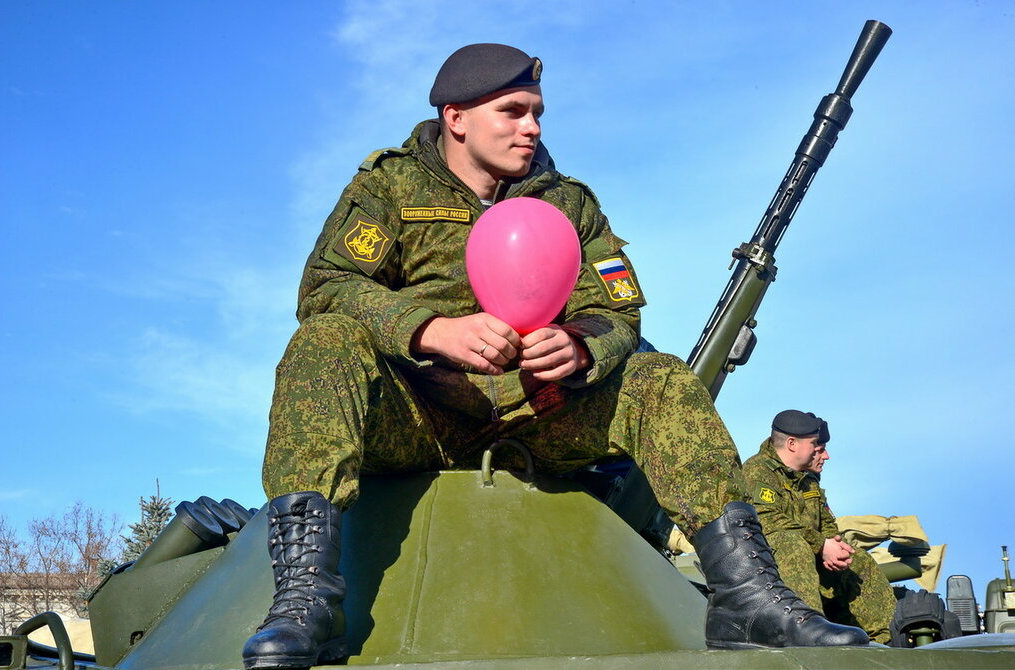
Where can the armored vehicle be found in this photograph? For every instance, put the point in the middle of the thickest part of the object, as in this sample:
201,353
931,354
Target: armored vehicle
493,569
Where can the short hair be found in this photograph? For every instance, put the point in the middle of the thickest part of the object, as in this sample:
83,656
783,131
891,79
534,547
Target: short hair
779,439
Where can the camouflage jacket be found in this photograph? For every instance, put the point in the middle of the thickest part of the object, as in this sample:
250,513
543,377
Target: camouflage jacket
392,255
788,501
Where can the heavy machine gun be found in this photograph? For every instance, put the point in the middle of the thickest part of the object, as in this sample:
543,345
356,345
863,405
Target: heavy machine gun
728,338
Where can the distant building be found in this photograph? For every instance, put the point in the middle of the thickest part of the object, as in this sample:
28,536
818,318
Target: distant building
23,595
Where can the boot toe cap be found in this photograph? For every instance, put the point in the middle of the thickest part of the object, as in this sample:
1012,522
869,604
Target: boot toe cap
279,647
837,635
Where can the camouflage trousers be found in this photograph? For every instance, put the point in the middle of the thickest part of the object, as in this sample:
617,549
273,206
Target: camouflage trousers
859,596
340,408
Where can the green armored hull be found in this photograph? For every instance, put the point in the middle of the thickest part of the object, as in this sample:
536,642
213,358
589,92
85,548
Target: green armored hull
446,570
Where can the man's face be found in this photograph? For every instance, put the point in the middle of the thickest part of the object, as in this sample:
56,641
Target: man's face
501,131
800,452
817,463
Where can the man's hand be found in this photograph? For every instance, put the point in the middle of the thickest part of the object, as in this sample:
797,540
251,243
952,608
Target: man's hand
836,555
480,342
550,354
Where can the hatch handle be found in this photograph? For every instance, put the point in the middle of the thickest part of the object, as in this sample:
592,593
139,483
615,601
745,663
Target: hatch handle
56,627
530,470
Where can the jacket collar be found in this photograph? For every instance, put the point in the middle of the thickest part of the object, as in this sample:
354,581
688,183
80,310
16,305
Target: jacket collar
772,460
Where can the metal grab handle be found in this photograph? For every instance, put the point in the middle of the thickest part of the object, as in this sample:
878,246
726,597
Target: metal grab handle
487,467
56,627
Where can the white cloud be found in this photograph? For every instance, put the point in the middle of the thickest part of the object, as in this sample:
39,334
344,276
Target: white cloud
222,371
257,301
16,494
182,373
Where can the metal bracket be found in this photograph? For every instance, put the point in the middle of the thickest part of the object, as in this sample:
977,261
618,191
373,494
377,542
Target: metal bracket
756,255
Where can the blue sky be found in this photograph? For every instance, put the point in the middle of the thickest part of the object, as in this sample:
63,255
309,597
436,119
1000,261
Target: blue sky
166,167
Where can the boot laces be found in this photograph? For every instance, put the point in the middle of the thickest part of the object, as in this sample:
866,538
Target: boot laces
295,580
780,592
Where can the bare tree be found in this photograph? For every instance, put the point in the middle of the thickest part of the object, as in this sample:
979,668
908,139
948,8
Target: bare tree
57,565
94,540
13,567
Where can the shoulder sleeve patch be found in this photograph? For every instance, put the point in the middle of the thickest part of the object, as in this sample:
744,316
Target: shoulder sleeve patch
764,495
364,241
617,280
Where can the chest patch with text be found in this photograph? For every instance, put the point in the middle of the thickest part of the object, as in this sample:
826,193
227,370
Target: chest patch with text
436,214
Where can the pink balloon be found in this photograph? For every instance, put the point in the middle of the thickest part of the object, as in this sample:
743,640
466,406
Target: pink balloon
523,258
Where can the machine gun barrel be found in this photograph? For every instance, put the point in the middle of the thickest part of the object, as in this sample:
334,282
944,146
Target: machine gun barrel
728,338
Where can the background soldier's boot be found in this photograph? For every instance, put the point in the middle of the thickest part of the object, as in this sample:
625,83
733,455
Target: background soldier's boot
305,624
750,606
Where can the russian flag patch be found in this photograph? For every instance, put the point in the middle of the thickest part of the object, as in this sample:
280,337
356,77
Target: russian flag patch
617,279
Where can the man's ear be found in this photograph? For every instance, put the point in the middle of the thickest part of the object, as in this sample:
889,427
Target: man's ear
453,116
791,444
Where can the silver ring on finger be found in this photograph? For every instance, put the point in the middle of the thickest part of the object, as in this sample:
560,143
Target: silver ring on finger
483,348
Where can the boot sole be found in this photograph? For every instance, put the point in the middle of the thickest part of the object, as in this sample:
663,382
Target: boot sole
748,645
330,653
710,644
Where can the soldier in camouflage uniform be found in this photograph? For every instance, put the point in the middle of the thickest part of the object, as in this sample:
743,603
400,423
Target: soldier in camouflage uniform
395,368
814,561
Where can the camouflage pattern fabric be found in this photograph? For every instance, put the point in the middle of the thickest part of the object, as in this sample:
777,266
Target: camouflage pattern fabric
392,254
350,396
796,519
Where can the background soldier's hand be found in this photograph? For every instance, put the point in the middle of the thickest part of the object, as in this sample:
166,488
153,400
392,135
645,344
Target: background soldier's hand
480,342
550,354
836,555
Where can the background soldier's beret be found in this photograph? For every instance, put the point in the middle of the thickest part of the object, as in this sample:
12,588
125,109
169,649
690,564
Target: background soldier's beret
478,69
796,423
823,435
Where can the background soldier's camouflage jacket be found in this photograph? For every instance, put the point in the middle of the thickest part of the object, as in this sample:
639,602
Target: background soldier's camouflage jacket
788,501
796,519
391,256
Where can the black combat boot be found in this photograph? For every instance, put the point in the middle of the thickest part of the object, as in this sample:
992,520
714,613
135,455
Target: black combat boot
305,624
749,606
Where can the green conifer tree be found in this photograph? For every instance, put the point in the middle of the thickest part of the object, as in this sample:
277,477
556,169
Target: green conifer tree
156,512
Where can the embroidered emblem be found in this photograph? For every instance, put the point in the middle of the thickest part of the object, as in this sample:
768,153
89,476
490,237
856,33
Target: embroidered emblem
812,494
436,214
617,279
766,495
366,242
537,69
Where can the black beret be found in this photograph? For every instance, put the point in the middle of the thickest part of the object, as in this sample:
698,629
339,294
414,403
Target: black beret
823,435
478,69
796,423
